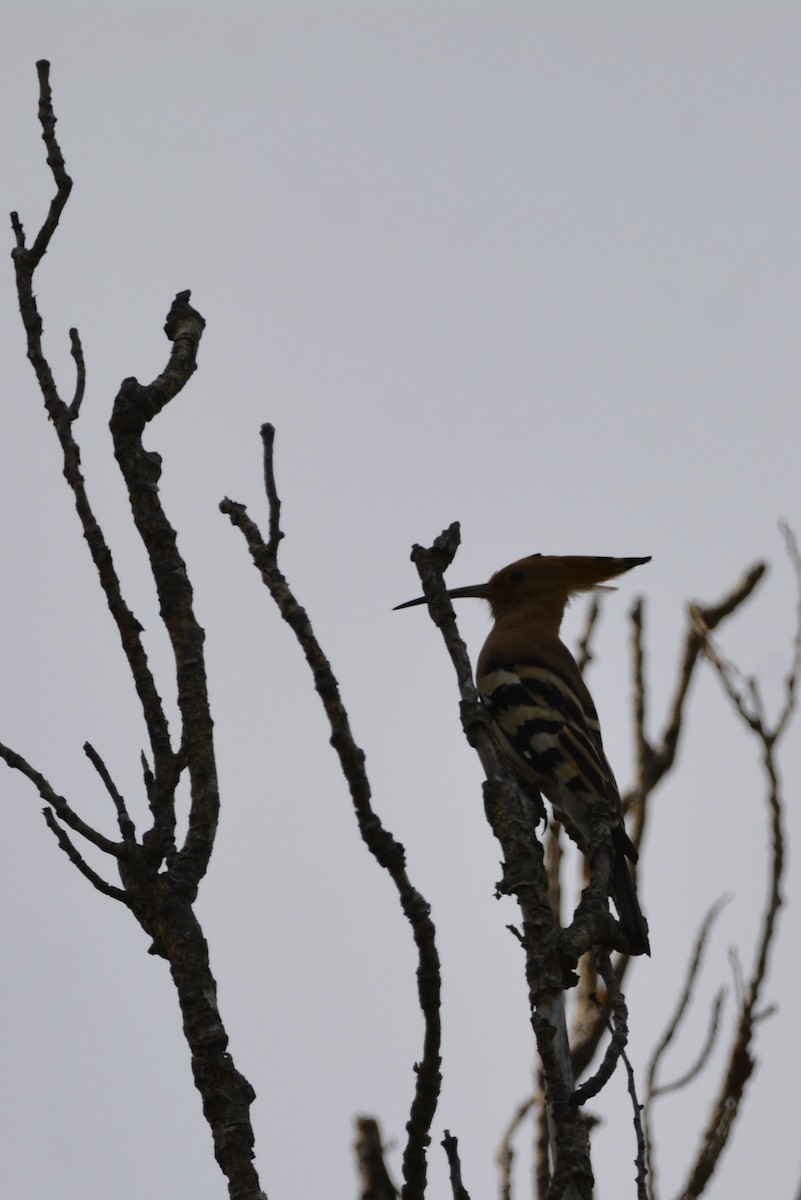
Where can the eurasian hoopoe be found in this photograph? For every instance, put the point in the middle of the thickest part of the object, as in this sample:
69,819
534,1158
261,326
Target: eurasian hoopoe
542,713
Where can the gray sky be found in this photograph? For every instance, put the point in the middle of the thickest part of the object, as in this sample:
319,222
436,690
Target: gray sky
531,266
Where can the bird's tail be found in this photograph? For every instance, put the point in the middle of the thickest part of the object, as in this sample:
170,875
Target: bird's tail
629,913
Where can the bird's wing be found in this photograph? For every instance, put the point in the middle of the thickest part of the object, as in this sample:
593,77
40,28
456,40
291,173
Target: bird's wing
548,720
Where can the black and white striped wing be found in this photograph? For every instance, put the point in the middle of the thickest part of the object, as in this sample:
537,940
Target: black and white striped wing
552,731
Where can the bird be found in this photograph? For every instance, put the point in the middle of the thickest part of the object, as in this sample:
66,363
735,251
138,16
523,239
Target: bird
542,714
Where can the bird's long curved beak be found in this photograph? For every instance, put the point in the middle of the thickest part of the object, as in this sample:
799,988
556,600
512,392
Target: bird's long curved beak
478,591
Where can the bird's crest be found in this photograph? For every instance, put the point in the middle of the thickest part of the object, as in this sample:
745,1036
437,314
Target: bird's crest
547,582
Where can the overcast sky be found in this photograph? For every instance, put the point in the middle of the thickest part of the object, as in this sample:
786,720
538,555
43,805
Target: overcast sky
535,267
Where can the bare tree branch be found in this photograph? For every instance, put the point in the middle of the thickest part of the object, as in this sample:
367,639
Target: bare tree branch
451,1145
652,1089
134,406
656,757
388,852
160,900
26,261
702,1058
373,1174
80,374
661,759
584,655
78,861
640,1160
505,1153
618,1027
59,804
127,827
683,1000
749,705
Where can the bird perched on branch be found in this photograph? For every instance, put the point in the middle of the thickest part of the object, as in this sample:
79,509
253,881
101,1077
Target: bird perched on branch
542,713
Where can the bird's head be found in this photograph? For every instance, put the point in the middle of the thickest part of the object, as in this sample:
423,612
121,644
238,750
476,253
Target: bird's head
541,582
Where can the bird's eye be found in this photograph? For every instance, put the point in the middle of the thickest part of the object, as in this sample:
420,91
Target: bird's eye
517,577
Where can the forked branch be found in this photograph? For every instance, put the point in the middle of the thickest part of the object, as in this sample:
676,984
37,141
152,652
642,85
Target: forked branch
161,899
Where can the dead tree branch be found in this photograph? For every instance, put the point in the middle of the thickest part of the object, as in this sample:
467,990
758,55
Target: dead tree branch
373,1174
388,852
618,1027
653,1089
655,757
451,1145
160,899
748,704
505,1154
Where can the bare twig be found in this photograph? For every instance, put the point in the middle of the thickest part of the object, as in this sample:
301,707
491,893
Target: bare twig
69,848
791,678
644,750
59,804
661,759
652,1088
271,491
640,1160
684,997
388,852
26,261
505,1153
55,160
451,1146
127,827
683,1001
618,1027
80,374
584,654
542,1141
702,1057
373,1174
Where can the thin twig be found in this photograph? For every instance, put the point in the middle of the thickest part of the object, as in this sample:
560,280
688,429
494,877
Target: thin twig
618,1027
76,859
584,655
275,533
640,1160
652,1089
644,751
505,1153
684,997
374,1177
127,827
62,415
451,1147
702,1058
80,374
791,679
55,161
59,804
712,615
